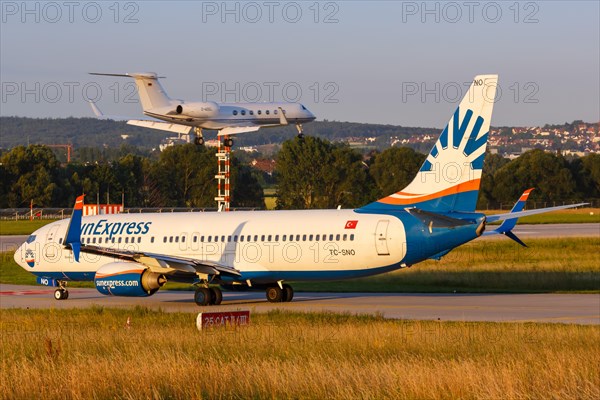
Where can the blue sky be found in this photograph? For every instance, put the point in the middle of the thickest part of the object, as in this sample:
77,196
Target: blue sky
402,63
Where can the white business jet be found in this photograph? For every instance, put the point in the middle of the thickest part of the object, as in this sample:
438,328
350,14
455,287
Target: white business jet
228,119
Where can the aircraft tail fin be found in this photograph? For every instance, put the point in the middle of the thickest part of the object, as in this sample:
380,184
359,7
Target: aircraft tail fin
450,177
152,95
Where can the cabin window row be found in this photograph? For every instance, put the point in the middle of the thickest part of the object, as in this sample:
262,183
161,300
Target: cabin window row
251,112
126,239
262,238
226,238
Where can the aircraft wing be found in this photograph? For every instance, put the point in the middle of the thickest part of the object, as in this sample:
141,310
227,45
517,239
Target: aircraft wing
234,130
100,115
163,126
502,217
143,122
162,263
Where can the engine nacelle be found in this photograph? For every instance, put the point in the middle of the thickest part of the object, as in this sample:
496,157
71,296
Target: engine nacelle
207,109
127,279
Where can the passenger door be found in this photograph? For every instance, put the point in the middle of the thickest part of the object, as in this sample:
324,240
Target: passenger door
381,243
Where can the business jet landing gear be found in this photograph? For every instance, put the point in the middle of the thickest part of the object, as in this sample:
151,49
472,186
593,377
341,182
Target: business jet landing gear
199,139
228,142
61,293
276,294
208,296
300,132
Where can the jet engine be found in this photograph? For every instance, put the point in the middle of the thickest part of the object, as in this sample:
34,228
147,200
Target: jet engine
207,109
127,279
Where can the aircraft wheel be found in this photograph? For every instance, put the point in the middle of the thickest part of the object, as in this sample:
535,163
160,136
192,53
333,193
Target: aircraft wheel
61,294
202,296
216,296
301,136
199,141
288,293
228,142
274,294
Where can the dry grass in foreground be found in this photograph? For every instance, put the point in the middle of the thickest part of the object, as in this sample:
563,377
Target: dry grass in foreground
84,354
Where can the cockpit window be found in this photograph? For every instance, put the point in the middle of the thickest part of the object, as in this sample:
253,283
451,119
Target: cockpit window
31,238
304,108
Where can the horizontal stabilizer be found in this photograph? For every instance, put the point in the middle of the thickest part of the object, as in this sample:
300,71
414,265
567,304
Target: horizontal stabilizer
502,217
514,237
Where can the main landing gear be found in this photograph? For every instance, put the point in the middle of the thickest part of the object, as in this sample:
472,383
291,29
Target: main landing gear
208,296
61,293
300,133
228,142
276,294
199,139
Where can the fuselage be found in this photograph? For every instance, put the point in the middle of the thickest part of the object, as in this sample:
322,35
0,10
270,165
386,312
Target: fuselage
265,246
225,115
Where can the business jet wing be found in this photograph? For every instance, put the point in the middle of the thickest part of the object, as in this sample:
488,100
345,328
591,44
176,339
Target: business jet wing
163,126
234,130
142,122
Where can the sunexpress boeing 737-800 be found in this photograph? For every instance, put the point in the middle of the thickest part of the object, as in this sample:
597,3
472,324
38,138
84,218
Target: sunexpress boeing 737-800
136,254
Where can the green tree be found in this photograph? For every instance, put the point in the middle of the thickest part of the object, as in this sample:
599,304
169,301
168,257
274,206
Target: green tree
247,191
30,173
394,169
547,172
314,173
492,163
185,176
586,171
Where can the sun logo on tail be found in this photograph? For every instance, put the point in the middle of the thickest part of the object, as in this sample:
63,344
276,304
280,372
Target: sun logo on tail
455,144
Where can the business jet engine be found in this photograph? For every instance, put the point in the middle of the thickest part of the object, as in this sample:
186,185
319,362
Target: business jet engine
206,109
127,279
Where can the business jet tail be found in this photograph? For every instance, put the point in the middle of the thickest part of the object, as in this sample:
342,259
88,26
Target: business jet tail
152,95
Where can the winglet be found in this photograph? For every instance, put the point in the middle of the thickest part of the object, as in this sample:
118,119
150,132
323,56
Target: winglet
73,238
96,110
282,119
510,223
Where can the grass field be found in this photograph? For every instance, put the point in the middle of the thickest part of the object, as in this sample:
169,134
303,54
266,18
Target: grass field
22,227
547,265
90,353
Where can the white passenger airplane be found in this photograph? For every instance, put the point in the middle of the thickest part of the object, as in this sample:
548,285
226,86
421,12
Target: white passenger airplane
227,118
136,254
